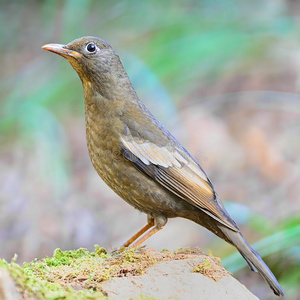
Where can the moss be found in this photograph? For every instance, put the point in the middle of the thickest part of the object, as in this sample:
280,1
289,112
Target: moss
75,274
211,268
78,274
49,278
201,268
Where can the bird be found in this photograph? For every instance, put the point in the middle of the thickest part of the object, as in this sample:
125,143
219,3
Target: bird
140,160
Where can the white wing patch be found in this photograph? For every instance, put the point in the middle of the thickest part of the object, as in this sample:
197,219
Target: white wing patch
149,152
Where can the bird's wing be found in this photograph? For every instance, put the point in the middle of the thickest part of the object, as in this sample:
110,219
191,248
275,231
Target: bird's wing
176,170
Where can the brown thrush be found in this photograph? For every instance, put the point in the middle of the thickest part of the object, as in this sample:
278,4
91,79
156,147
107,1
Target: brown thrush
140,160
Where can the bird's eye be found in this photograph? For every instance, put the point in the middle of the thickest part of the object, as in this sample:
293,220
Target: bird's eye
91,47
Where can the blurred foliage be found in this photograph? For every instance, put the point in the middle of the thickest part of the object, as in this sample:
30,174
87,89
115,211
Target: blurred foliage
201,67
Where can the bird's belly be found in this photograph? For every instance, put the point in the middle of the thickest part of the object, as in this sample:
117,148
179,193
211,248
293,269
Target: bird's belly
133,186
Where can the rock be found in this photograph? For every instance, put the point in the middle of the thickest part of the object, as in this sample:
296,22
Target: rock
8,290
176,280
131,274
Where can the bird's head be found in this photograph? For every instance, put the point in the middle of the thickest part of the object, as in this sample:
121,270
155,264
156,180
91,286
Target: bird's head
94,60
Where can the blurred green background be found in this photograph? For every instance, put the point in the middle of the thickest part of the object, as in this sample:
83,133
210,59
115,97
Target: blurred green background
223,76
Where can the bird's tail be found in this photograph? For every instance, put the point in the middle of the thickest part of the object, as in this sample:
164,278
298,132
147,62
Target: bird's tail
253,259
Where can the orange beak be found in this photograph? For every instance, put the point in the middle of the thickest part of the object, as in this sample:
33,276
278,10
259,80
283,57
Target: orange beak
61,50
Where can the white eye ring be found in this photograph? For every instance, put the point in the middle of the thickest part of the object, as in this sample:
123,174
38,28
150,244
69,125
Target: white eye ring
91,48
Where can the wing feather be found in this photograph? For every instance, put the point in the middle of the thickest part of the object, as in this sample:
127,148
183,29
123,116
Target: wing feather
179,173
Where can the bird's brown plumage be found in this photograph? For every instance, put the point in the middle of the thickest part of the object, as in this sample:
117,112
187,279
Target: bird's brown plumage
139,159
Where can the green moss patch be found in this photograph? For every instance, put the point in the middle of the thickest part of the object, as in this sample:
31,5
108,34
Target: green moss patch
78,274
211,268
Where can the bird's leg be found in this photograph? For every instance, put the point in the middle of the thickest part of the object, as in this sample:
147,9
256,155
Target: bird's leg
146,237
158,221
149,224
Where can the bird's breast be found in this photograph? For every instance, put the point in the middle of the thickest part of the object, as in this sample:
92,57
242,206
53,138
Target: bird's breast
137,189
103,141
